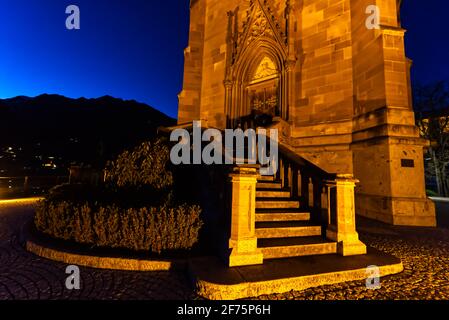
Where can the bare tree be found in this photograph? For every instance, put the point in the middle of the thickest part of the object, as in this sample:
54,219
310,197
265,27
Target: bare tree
432,109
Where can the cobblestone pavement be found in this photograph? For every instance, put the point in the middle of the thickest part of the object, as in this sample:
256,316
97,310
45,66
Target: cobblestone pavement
424,252
26,276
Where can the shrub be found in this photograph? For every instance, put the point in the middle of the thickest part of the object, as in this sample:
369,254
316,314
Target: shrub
77,194
74,192
144,229
145,165
135,209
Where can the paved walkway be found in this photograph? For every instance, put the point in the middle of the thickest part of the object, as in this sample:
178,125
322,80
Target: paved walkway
425,254
26,276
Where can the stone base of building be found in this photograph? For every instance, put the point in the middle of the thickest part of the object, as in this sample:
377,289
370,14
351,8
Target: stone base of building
349,245
215,281
397,211
237,259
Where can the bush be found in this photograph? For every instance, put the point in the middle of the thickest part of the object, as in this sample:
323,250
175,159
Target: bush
145,165
74,192
144,229
134,209
144,196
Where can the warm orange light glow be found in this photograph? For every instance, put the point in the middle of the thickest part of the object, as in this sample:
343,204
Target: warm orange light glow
21,201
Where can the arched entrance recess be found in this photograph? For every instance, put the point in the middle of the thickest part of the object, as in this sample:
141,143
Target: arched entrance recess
260,85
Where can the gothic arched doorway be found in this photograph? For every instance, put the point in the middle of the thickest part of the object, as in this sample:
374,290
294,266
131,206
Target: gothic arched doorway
263,91
259,65
258,92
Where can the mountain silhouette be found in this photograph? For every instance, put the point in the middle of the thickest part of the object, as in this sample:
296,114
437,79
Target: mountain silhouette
87,131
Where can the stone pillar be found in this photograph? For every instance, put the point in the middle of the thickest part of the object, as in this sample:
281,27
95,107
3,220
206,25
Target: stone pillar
342,228
243,241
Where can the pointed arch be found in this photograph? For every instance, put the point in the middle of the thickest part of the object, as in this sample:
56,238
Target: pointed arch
244,70
261,23
254,53
261,38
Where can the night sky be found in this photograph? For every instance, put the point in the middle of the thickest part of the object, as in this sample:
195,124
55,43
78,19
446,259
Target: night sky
133,49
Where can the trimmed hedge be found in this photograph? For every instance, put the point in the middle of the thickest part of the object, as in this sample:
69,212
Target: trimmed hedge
145,165
134,209
144,229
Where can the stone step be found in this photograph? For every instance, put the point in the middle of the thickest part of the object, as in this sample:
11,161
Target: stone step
286,230
276,203
269,185
281,216
295,247
273,193
266,178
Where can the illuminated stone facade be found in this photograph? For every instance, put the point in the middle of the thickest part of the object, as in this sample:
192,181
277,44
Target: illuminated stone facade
341,90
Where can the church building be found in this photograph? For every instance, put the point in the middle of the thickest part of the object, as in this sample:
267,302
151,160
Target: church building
331,75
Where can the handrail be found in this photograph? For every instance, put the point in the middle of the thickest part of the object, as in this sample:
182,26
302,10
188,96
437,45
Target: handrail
286,153
306,182
300,161
328,197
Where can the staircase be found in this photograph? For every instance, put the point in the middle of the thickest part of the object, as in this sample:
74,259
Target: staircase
284,230
291,214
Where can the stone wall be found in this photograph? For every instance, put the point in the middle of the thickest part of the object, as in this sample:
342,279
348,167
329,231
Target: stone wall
387,150
190,96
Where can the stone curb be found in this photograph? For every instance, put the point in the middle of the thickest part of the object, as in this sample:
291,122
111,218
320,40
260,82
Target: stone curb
439,199
25,202
104,262
214,291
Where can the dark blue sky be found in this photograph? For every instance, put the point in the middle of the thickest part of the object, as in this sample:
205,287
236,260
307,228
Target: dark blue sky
133,49
427,39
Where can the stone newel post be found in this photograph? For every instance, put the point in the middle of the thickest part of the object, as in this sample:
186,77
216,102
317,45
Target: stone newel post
342,227
243,241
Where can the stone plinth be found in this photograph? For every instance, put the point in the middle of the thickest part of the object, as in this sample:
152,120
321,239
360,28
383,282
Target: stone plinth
342,228
243,241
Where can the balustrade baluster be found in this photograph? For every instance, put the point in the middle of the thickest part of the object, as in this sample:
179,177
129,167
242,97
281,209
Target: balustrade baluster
295,172
286,174
304,189
278,172
317,199
311,194
281,170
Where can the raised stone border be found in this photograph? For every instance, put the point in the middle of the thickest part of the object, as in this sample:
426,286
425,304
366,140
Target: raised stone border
47,251
286,275
439,199
25,202
104,262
